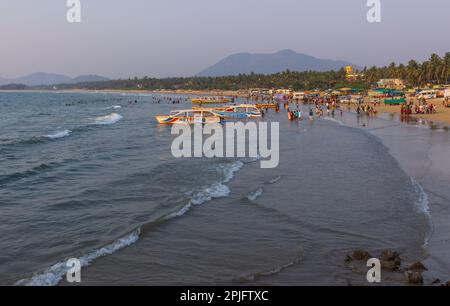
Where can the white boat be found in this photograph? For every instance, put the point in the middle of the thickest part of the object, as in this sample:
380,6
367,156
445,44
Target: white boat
190,116
243,111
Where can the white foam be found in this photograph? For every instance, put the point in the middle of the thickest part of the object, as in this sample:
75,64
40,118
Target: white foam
333,120
53,275
423,205
109,119
215,191
252,159
255,194
114,107
230,169
180,212
275,179
58,135
422,202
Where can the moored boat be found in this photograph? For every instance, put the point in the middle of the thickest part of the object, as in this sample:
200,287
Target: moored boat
190,116
243,111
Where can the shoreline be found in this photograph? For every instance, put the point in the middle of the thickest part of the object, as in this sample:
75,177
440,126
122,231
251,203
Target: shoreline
422,153
136,91
424,158
442,117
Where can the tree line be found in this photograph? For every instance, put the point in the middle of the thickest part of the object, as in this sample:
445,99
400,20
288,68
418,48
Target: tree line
436,70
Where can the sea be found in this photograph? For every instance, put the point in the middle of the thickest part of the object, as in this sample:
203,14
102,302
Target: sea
91,176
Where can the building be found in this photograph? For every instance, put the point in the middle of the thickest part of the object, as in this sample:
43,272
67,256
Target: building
395,84
352,75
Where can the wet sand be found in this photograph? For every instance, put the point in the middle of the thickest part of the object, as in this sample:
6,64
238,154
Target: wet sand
423,153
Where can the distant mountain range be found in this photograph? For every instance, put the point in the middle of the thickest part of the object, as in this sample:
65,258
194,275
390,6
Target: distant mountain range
42,78
270,63
241,63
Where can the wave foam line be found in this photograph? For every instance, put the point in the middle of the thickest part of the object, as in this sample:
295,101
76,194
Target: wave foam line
423,204
255,194
53,275
108,119
58,135
333,120
215,191
275,179
114,107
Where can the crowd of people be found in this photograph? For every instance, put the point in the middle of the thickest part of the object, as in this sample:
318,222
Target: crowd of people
423,108
366,110
169,100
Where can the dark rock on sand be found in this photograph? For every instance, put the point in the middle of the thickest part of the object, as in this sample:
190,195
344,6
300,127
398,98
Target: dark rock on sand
361,255
391,265
390,260
436,282
389,255
418,267
414,278
348,259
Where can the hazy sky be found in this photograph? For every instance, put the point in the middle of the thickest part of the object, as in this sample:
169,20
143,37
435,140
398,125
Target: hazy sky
119,38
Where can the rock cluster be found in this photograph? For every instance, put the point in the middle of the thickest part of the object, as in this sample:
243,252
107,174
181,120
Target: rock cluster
392,262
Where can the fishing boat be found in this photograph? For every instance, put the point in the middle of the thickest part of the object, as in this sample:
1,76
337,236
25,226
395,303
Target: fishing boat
267,105
243,111
190,116
211,100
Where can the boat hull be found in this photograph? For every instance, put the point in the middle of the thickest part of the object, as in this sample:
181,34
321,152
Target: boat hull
187,120
232,115
206,101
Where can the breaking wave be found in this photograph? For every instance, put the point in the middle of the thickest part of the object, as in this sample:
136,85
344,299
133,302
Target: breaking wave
108,119
422,202
333,120
423,205
255,194
114,107
53,275
58,135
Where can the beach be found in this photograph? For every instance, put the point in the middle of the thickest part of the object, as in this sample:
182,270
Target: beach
144,217
422,151
442,115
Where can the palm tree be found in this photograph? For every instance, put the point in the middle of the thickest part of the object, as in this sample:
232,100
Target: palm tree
401,72
435,63
412,73
392,70
445,71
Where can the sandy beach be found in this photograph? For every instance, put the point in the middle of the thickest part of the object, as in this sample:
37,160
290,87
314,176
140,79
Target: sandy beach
441,116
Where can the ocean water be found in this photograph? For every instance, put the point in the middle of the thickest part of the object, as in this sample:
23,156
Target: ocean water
91,176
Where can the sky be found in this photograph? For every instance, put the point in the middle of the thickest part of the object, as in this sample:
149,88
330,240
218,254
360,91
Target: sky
161,38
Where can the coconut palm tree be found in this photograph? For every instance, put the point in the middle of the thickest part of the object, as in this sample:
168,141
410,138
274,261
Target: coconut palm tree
445,71
434,68
412,72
